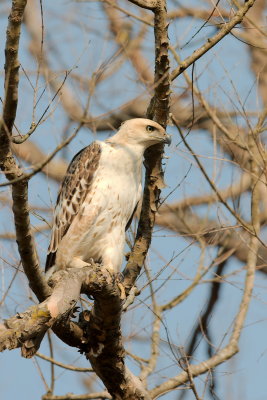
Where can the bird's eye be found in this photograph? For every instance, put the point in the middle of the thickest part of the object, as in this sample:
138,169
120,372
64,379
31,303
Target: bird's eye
150,128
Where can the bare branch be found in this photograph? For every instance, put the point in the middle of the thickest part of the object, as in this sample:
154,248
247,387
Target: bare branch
8,164
69,102
239,219
105,349
226,28
70,396
101,340
257,37
232,191
27,329
155,336
148,4
33,155
62,365
159,111
40,166
130,46
232,347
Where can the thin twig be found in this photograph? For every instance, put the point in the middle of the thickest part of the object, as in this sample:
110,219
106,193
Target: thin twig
226,28
62,365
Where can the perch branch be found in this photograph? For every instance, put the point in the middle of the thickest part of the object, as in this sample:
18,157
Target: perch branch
104,348
101,338
27,329
159,111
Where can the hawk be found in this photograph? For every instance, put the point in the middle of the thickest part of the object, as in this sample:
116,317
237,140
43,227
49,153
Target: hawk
99,196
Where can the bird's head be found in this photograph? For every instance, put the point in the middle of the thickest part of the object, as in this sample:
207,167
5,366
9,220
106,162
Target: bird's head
141,131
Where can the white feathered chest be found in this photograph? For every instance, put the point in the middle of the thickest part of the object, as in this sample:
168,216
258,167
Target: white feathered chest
97,222
111,202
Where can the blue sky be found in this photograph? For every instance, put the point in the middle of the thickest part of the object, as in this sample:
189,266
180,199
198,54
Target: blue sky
223,73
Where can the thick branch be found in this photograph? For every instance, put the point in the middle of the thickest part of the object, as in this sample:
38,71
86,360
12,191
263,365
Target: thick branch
159,111
101,338
105,349
12,69
8,164
27,329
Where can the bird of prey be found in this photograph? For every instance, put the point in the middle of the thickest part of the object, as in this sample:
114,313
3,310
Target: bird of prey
99,196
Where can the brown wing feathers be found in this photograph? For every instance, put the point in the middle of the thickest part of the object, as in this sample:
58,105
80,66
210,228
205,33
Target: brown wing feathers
76,184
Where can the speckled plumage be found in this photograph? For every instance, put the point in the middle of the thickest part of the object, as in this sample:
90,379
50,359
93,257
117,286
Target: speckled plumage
98,196
74,188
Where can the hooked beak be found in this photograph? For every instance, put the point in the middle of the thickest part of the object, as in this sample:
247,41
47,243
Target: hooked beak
167,140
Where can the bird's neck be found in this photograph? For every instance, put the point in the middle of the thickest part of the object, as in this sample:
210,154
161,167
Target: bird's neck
135,149
131,154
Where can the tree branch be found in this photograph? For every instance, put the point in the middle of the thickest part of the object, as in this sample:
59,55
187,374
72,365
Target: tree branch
148,4
159,111
130,46
232,347
62,365
226,28
8,164
70,396
105,349
27,329
101,338
33,155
